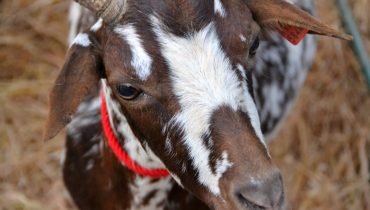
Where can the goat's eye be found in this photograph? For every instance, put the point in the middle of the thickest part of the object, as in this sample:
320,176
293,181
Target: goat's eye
254,47
128,92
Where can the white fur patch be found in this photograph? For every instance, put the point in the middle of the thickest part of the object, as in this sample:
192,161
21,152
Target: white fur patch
97,25
73,128
294,70
249,107
141,188
82,39
223,164
140,61
131,143
219,8
242,38
93,151
89,106
74,16
90,164
168,145
203,81
63,155
177,179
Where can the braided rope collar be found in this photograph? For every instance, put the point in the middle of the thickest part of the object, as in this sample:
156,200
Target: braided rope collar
118,150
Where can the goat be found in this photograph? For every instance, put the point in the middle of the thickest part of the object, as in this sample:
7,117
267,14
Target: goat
166,98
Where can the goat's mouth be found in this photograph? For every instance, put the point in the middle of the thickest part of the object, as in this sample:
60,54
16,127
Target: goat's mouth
249,205
241,203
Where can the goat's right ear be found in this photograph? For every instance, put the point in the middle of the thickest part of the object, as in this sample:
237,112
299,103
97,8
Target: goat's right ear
78,75
292,22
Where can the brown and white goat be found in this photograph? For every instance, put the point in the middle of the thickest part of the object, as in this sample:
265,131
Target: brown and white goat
183,93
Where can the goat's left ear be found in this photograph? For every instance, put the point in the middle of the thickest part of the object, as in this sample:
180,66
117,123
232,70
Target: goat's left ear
78,75
292,22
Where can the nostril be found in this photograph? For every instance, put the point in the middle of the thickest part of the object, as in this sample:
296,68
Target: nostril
262,194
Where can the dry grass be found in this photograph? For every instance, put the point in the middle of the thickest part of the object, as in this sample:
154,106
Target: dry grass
32,48
323,150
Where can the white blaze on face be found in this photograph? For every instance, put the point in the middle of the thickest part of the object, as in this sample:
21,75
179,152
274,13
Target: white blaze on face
140,60
203,80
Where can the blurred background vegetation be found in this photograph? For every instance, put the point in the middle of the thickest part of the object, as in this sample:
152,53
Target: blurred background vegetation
323,149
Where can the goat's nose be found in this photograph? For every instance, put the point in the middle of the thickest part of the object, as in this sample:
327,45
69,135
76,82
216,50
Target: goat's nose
263,194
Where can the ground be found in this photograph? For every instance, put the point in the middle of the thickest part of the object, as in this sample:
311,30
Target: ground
323,149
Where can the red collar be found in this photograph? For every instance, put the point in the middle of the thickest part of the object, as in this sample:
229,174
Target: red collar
120,152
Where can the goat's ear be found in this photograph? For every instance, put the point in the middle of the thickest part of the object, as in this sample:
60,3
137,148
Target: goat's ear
292,22
78,75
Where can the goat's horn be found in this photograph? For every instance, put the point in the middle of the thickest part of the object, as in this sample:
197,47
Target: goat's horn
109,10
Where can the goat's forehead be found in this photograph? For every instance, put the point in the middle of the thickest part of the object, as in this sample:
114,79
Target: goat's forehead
137,43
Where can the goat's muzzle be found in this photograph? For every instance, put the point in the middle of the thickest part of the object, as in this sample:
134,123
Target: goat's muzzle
265,193
253,182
